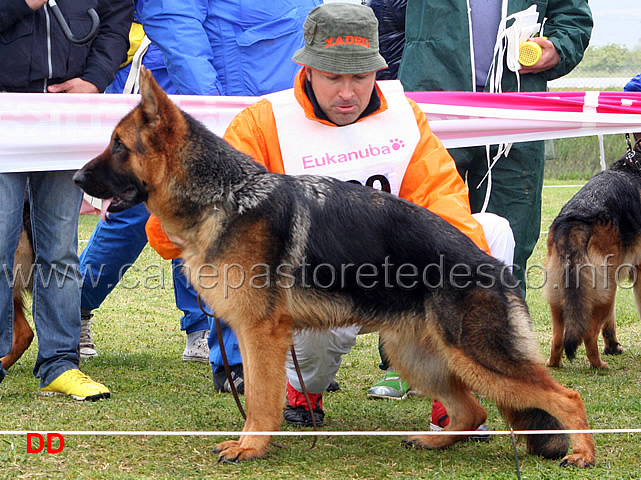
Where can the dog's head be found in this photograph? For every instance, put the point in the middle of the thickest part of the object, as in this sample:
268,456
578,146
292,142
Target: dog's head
138,163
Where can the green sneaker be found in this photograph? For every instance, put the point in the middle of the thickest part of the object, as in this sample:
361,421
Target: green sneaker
392,387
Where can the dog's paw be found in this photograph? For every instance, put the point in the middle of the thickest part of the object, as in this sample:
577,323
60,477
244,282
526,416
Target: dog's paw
427,442
232,451
553,364
617,349
578,460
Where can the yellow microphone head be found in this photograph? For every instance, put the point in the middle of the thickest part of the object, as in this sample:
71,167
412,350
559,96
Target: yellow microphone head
530,53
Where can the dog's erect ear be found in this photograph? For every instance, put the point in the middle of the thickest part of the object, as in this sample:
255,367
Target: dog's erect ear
154,101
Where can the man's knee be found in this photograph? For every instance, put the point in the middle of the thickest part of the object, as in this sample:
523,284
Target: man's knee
499,236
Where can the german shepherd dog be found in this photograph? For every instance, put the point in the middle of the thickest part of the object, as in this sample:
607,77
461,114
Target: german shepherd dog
23,260
595,239
328,253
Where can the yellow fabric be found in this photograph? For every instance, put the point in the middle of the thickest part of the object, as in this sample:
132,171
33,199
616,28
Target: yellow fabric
136,34
431,179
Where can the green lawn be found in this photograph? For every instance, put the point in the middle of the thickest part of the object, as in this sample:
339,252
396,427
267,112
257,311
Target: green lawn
140,345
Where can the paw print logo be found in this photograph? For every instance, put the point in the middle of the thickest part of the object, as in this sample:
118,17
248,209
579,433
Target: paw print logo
397,144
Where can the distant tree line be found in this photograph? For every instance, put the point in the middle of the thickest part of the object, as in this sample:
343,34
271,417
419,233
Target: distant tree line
611,60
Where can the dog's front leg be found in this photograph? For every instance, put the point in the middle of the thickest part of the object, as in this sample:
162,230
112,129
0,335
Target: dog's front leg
263,346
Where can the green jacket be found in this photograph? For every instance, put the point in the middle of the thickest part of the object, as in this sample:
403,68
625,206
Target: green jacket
437,49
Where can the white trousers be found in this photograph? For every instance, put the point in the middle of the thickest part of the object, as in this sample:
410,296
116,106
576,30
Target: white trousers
320,352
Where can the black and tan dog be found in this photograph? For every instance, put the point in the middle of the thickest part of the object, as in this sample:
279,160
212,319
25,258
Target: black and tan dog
272,252
594,243
22,271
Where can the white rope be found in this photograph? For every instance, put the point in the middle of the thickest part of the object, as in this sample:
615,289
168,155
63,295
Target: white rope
154,433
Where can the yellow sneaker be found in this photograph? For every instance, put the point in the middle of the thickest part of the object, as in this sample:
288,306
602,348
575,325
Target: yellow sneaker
77,385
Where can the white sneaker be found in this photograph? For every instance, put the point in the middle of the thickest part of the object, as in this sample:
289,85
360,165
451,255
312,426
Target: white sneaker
197,349
86,348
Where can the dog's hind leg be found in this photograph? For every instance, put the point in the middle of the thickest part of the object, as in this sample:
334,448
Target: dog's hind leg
521,401
464,411
22,334
427,371
609,332
553,445
556,351
263,346
602,316
636,287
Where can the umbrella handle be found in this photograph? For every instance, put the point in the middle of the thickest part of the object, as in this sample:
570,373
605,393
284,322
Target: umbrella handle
95,23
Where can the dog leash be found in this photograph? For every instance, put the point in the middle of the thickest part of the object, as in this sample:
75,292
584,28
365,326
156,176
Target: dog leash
232,385
223,353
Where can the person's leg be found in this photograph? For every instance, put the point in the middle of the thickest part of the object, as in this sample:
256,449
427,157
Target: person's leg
12,188
319,355
517,182
55,206
499,236
194,321
113,247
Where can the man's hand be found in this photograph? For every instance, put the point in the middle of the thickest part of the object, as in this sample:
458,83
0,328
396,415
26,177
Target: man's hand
35,4
549,59
75,85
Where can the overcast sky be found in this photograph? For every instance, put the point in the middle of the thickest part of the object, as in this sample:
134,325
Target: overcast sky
616,21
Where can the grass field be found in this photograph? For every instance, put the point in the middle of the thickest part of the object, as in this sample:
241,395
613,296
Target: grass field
140,345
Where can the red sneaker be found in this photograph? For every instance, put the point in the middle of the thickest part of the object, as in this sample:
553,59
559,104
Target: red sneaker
439,419
297,411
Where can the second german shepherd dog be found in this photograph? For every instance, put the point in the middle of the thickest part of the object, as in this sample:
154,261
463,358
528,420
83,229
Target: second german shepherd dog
593,242
22,274
330,253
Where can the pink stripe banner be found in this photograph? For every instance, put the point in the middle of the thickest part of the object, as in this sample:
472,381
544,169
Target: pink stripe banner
60,132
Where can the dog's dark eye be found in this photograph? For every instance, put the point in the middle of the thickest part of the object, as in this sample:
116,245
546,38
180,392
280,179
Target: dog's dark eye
117,146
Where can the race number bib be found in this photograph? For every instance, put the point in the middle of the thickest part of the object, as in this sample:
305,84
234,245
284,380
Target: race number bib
375,151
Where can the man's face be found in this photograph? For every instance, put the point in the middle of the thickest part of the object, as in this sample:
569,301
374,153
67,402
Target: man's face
342,97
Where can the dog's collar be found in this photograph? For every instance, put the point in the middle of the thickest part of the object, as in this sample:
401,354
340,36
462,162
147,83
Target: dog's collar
632,159
632,155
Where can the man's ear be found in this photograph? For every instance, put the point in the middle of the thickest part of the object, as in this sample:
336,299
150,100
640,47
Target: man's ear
308,73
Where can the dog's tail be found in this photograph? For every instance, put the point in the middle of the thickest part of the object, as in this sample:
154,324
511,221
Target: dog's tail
552,445
578,276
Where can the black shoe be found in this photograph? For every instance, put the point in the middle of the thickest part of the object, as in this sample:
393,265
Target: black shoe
480,436
333,386
221,383
302,417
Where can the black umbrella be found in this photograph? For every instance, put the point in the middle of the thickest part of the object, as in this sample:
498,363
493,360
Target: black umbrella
95,23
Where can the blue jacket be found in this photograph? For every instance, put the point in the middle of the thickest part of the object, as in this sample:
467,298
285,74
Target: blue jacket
228,47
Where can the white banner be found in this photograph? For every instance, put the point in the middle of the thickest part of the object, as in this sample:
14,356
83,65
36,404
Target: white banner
40,132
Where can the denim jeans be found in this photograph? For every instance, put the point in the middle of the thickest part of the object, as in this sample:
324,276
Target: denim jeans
113,247
55,204
194,318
